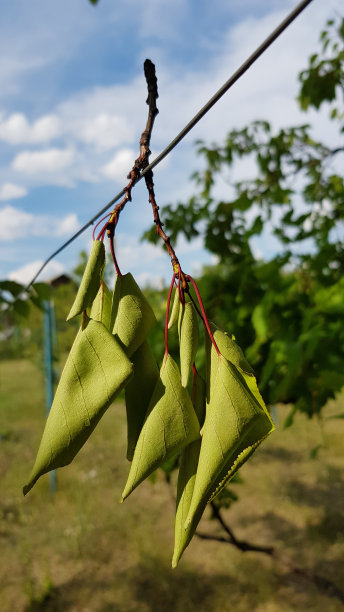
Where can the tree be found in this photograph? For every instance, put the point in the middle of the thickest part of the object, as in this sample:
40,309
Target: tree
288,310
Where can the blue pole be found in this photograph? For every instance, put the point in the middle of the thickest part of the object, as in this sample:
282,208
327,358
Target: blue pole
49,326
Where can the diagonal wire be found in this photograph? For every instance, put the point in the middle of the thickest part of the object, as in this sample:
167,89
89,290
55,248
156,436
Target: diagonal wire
203,111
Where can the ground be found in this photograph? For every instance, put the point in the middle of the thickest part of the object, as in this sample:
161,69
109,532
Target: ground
80,550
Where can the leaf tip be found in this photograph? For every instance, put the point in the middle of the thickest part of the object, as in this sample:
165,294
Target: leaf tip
125,494
27,488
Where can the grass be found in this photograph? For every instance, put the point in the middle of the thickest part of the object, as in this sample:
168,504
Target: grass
80,550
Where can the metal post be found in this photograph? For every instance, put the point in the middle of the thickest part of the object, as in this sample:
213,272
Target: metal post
49,332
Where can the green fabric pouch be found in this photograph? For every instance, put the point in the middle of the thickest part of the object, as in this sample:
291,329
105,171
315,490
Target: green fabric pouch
170,425
187,475
95,372
91,280
100,309
188,339
138,393
235,424
132,316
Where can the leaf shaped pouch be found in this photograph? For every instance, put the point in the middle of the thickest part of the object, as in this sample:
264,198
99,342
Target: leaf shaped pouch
91,279
100,309
132,317
234,426
138,393
231,350
96,370
187,475
188,339
171,424
233,353
175,309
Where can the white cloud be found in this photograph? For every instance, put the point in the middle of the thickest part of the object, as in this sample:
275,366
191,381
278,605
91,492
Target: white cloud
133,252
105,131
17,130
24,274
117,168
147,279
9,191
50,160
13,223
67,225
16,223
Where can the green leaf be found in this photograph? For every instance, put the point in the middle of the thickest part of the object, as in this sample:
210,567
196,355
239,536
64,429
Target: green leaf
95,372
234,426
138,393
12,287
175,309
43,290
91,279
225,498
260,322
231,350
132,317
187,475
170,425
21,307
188,339
100,309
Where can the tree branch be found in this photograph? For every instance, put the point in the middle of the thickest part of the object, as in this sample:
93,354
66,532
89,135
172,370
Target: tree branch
143,160
145,153
240,544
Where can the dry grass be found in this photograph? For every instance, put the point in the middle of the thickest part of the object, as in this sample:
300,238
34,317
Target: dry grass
82,551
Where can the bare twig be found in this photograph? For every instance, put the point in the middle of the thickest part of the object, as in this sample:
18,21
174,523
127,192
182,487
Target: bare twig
145,153
240,544
143,160
159,224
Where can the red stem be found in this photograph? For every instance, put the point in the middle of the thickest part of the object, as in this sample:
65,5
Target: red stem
205,320
168,314
99,222
112,249
102,232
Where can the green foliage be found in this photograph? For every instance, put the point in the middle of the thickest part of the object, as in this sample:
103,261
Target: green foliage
288,311
323,79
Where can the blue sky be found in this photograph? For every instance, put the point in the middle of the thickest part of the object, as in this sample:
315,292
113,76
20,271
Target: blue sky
72,108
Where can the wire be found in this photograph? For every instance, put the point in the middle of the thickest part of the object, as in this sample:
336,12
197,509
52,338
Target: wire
203,111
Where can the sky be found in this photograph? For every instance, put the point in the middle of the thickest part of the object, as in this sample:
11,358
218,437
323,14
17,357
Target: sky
72,109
